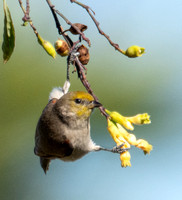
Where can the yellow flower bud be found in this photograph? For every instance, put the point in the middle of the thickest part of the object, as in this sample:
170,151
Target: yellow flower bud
118,118
125,159
62,47
47,46
144,145
25,24
134,51
140,119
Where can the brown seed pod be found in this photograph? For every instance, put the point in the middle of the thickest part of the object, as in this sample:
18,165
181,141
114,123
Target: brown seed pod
81,27
62,47
84,55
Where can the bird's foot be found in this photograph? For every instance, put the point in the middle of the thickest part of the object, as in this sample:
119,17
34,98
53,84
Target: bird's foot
116,149
119,149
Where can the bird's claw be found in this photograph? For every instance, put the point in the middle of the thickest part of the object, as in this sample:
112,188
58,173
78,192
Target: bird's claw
119,149
116,149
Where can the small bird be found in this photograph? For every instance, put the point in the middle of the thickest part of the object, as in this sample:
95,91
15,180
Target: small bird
63,130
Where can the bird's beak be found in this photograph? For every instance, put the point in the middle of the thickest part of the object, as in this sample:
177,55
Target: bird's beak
94,104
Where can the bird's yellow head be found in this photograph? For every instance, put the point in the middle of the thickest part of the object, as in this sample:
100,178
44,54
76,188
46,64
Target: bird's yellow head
77,103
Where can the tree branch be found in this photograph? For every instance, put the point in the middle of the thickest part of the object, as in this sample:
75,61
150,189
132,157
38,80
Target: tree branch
88,9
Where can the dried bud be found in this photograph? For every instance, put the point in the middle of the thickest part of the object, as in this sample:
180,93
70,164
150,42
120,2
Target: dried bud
134,51
81,27
61,47
84,55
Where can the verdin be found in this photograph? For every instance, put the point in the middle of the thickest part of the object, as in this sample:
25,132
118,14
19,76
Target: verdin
63,130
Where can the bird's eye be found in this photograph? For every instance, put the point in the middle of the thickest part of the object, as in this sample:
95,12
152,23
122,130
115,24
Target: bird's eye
78,101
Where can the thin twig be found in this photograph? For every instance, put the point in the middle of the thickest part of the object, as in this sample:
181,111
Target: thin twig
27,9
78,65
54,11
58,25
26,17
21,5
87,85
75,27
88,9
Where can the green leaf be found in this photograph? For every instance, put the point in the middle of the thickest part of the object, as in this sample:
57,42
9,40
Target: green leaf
9,34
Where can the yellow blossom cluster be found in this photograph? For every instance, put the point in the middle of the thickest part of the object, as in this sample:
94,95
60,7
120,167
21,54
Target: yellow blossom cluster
116,127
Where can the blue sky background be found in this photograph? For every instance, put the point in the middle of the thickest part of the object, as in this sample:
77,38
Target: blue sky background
151,83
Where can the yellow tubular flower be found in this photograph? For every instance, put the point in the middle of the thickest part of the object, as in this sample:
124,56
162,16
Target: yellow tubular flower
144,145
115,133
118,118
118,138
122,130
140,119
125,159
130,138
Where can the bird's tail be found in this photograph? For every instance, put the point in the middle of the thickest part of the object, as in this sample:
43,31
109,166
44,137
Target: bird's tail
44,163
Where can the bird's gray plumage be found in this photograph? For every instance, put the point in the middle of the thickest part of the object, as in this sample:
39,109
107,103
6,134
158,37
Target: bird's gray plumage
59,133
